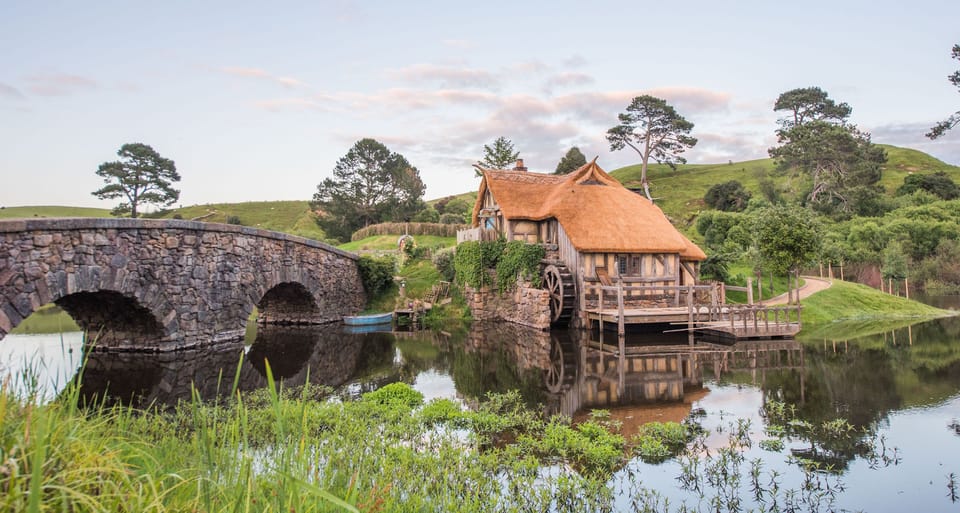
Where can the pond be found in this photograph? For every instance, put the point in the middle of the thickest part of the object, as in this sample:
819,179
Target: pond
898,386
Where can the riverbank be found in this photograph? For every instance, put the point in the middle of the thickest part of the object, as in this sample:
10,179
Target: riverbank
846,301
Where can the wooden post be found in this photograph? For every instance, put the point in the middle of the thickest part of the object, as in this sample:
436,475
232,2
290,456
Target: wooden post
760,286
690,314
890,288
841,271
906,286
620,329
749,290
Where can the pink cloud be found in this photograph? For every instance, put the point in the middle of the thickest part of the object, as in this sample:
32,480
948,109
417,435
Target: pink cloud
447,76
59,84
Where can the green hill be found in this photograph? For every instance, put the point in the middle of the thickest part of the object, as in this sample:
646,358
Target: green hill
52,211
680,193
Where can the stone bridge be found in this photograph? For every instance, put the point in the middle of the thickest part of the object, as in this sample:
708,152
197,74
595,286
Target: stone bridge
168,284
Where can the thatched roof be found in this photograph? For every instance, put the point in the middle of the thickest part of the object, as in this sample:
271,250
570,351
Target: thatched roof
598,214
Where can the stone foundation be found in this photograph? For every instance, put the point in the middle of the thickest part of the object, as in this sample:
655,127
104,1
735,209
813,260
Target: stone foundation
523,305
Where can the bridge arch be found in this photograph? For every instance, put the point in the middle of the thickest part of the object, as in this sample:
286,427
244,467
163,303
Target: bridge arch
186,283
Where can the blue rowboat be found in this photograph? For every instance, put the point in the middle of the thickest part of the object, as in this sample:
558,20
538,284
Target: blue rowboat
368,320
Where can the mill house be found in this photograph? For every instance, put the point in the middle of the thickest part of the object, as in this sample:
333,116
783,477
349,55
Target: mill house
612,255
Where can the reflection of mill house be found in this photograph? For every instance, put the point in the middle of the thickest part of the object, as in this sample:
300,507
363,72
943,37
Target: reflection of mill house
599,236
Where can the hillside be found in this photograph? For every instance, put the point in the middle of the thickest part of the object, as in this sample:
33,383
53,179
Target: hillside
680,193
52,211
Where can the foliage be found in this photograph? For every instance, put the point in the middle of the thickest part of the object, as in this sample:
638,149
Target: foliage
787,237
939,184
234,220
809,104
458,206
715,226
141,176
728,196
415,229
427,215
654,129
715,267
519,259
942,127
843,164
573,160
657,441
452,219
500,155
894,265
370,184
474,260
376,273
443,260
395,394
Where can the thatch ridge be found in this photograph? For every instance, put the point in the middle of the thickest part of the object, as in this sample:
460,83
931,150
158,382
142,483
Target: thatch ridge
597,212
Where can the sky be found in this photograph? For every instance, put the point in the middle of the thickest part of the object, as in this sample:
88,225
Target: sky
256,101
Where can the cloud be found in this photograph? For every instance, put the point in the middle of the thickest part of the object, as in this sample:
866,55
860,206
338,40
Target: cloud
566,79
59,84
11,92
258,73
459,44
447,76
691,99
575,61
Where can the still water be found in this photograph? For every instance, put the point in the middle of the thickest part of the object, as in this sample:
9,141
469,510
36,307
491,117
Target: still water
900,384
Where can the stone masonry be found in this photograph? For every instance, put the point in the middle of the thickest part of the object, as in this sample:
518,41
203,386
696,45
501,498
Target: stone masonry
525,305
169,284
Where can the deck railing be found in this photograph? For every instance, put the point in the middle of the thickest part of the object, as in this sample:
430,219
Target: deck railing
744,320
476,234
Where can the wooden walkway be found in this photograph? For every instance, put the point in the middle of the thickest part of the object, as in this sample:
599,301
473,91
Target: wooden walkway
687,306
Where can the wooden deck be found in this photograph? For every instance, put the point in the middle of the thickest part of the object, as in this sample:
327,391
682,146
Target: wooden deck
708,318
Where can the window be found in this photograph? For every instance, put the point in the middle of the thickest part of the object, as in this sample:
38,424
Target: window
629,265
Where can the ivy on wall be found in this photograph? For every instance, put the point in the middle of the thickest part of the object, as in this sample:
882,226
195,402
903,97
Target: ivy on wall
474,261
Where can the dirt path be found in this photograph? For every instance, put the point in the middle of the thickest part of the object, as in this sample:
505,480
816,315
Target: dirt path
811,285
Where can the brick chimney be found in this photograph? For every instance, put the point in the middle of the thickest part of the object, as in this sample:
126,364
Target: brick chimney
520,166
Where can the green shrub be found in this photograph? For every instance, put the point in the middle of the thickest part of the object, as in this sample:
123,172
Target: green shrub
443,261
657,441
427,215
451,219
395,394
376,273
233,220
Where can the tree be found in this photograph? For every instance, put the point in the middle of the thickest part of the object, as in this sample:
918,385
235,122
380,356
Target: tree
939,184
786,237
809,104
572,161
499,156
141,176
370,184
653,129
941,128
843,164
728,196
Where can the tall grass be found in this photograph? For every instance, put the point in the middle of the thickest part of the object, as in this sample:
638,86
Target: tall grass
437,229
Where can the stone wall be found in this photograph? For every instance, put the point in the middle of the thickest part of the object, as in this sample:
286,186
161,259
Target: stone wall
168,284
523,305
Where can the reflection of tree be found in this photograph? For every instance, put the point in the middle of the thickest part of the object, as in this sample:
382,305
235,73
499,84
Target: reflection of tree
490,361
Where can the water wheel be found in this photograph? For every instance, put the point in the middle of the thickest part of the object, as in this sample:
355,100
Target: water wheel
563,364
559,283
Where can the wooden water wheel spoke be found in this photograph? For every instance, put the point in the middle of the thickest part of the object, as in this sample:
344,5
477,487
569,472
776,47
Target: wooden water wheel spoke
558,282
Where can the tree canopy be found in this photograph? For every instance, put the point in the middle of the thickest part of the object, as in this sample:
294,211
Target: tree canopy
370,184
786,237
654,129
728,196
954,78
809,104
500,155
572,161
939,184
843,164
141,176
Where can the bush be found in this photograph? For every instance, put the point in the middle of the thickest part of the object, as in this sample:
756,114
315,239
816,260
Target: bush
376,273
427,215
729,196
233,220
443,261
451,219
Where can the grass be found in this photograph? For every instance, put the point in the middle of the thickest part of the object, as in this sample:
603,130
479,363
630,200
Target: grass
52,211
47,319
294,217
845,301
381,243
680,193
